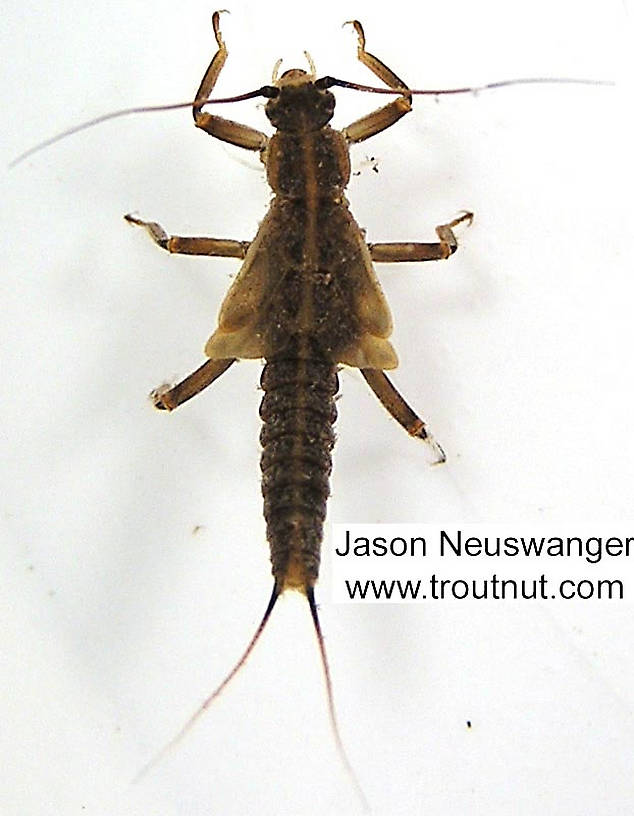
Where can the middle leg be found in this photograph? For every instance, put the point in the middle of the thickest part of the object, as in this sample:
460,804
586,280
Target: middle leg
417,251
185,245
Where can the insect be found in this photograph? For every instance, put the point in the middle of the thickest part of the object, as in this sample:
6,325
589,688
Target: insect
306,299
193,383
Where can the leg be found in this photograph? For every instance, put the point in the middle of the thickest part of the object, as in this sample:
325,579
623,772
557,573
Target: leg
169,398
414,251
386,116
222,247
224,129
390,398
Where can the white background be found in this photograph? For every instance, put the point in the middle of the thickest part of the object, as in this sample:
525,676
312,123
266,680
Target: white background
118,618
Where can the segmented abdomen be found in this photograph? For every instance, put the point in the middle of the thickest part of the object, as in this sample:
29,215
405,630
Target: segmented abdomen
298,411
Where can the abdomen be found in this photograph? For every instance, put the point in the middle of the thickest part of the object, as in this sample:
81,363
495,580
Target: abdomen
298,411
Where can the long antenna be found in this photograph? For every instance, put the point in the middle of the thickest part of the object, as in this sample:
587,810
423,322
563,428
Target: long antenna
473,89
106,117
324,82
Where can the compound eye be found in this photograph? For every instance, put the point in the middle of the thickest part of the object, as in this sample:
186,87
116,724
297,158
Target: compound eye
325,82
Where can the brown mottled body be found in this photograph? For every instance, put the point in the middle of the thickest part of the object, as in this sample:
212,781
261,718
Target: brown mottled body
307,267
298,411
306,300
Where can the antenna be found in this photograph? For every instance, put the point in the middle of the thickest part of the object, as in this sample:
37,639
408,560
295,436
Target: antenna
269,91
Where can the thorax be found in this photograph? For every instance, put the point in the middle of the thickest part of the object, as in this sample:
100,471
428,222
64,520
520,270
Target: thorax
308,165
